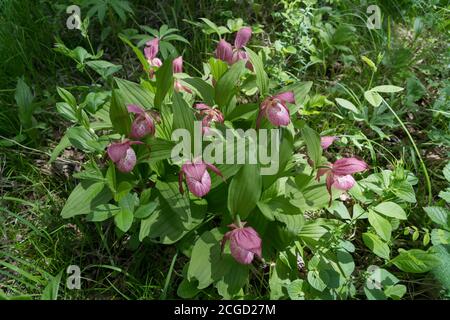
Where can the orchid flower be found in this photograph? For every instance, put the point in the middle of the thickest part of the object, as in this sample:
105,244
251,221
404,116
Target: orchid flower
143,123
275,109
245,242
231,54
123,155
197,177
150,51
177,67
327,141
210,115
339,173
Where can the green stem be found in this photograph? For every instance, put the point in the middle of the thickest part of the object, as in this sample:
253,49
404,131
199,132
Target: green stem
169,276
422,163
238,220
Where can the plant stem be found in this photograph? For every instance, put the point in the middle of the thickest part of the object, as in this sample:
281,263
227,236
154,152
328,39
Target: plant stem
238,220
422,163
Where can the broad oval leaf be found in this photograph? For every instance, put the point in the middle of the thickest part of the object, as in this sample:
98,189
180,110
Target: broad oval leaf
390,209
245,190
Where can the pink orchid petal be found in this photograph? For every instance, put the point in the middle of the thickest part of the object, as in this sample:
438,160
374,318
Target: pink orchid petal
346,166
142,126
135,109
343,182
287,96
245,242
199,187
118,150
214,169
239,254
177,65
127,163
152,48
242,37
202,106
327,141
278,115
224,51
156,62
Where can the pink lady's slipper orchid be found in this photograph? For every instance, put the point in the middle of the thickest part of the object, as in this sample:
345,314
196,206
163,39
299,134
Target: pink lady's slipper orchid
197,177
339,173
245,242
150,51
226,52
327,141
123,155
210,115
275,109
143,123
177,67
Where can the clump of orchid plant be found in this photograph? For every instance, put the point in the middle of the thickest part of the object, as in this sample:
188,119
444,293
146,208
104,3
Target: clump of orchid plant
269,206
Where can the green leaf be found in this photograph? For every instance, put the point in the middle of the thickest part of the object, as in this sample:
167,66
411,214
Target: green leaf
86,197
83,139
439,215
104,68
415,261
103,212
218,68
370,63
339,209
312,140
160,150
245,190
118,114
301,90
206,251
164,81
446,172
174,217
439,236
295,290
374,243
387,89
395,292
63,144
381,225
373,98
226,86
24,99
66,111
209,265
187,289
51,290
204,89
346,262
67,97
347,105
133,93
262,80
147,209
390,209
183,115
124,218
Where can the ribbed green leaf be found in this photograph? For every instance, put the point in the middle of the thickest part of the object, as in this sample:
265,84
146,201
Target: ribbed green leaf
85,198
